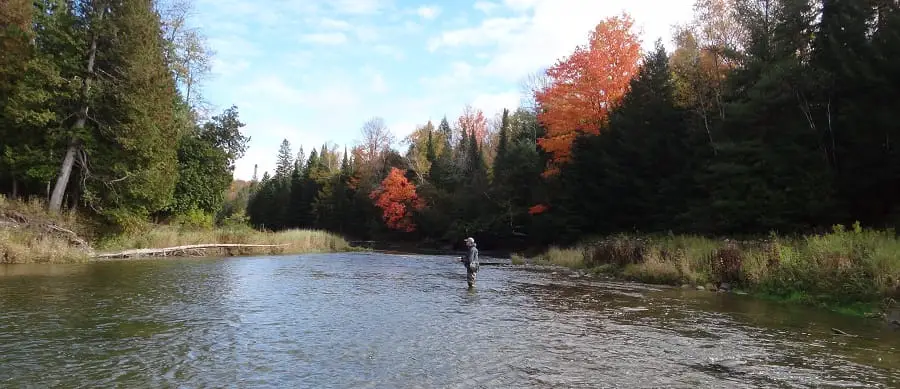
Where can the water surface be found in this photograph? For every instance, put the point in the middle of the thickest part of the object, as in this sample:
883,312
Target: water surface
407,321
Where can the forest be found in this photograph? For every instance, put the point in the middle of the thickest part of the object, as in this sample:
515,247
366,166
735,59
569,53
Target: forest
767,117
99,112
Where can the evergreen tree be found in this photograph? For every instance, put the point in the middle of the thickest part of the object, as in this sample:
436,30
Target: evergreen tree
284,162
133,163
430,154
300,161
446,132
503,142
346,165
636,172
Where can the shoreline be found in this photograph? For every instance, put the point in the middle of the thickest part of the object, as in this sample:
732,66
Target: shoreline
853,273
890,315
850,270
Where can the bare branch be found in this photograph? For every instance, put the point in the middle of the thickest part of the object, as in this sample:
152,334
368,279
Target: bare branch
120,179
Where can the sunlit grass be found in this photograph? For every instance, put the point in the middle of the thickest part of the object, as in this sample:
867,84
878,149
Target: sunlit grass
847,270
31,241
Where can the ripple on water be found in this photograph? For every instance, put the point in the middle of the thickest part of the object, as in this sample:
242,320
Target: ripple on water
374,320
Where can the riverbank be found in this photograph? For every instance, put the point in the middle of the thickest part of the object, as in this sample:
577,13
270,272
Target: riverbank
28,234
853,271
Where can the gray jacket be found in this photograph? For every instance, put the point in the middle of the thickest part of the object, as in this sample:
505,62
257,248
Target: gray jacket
471,259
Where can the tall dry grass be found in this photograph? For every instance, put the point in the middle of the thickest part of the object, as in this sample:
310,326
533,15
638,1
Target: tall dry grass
296,241
30,240
844,267
25,235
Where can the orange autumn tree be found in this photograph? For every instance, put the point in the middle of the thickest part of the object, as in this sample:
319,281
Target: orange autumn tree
586,86
397,198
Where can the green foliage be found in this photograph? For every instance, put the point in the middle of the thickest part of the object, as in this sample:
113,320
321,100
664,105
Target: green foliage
285,163
844,268
205,164
133,148
194,219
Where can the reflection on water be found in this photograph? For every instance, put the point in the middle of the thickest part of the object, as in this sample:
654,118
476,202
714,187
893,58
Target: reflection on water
376,320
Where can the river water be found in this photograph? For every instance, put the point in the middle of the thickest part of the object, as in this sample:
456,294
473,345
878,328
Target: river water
371,320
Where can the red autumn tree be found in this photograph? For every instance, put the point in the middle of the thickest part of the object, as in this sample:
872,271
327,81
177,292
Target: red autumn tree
397,198
472,121
537,209
587,85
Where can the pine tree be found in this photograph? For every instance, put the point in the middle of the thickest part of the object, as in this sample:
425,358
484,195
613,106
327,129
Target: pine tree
430,154
503,143
301,158
284,163
446,132
345,165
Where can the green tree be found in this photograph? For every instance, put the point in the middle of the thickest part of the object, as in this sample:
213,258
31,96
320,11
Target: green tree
284,162
206,159
133,156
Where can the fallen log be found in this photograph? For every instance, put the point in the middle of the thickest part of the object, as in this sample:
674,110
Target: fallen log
167,251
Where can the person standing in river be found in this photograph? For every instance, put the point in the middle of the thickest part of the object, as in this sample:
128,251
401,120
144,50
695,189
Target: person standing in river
471,261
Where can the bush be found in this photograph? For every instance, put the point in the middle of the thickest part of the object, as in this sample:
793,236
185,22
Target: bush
845,266
194,219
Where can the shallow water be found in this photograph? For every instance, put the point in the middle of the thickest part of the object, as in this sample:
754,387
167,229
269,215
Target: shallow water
407,321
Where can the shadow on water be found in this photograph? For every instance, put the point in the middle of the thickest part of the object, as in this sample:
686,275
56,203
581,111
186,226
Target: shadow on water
378,320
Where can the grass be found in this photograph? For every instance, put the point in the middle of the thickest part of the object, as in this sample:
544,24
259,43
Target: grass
297,241
848,270
26,238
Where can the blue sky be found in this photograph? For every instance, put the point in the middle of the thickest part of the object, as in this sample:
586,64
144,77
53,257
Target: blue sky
313,71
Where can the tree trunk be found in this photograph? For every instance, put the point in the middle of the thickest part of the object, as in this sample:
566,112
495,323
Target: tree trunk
65,169
15,189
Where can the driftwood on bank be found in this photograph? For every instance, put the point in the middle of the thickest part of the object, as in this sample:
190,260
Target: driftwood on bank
195,249
14,220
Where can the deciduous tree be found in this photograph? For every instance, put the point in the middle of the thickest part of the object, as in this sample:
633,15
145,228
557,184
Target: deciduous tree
397,199
587,85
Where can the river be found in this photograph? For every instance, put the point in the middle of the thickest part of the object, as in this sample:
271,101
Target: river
372,320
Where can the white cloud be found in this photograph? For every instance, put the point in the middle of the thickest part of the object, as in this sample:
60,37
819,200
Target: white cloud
492,104
316,114
276,93
428,12
367,34
545,30
325,38
486,6
390,51
358,6
460,73
225,68
491,32
334,24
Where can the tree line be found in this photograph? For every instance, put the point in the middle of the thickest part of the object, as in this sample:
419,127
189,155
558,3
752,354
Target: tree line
101,110
768,116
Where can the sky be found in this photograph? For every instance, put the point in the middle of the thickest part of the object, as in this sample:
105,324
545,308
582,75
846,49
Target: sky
313,71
